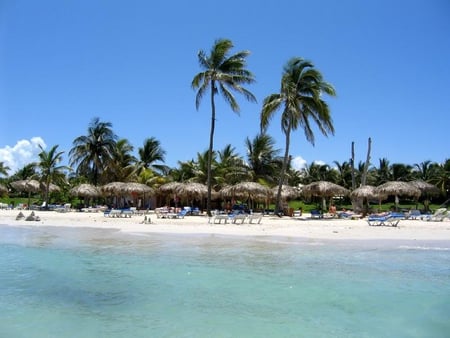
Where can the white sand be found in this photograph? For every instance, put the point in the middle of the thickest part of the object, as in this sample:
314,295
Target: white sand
270,226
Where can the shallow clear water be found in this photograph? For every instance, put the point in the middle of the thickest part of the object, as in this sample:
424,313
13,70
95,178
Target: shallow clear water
101,283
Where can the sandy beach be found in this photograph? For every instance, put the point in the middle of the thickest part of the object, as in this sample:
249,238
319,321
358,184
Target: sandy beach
303,227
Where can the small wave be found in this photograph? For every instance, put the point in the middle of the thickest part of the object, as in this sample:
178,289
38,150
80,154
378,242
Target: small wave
425,248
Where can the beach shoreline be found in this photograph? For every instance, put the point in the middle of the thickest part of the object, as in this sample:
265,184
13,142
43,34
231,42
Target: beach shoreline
270,226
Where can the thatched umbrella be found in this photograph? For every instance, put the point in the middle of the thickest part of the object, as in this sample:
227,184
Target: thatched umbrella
27,186
192,189
113,188
364,194
252,191
246,190
287,191
425,187
137,188
365,191
324,189
397,188
170,187
51,188
3,190
426,190
85,190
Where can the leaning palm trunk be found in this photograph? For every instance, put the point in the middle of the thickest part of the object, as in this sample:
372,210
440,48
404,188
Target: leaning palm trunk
211,147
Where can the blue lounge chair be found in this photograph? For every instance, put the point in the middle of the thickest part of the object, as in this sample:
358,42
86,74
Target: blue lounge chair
388,220
316,214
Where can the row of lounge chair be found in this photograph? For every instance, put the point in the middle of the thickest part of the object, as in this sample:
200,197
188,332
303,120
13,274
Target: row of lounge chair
235,218
393,218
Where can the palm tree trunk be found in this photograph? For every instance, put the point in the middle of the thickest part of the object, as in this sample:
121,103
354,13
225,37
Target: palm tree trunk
210,150
278,206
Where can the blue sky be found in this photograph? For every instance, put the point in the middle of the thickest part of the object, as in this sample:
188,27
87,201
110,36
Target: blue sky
131,63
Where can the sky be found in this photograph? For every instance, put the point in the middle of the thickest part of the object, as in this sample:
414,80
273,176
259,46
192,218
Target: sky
131,63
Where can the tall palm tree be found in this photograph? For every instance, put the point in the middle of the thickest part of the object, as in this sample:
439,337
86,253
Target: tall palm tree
222,73
93,152
151,153
49,168
302,87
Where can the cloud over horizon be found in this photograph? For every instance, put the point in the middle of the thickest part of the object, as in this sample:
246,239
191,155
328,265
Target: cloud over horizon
22,153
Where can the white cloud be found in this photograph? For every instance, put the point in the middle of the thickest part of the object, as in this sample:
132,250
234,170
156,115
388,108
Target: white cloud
298,163
22,153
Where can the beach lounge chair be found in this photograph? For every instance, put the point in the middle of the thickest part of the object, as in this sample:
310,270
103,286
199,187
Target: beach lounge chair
438,216
316,214
182,213
218,218
413,214
255,218
237,218
388,220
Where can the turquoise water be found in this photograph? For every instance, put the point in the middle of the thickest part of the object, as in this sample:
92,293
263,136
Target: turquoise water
58,282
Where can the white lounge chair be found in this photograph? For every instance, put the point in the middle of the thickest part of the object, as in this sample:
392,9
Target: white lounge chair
255,218
438,216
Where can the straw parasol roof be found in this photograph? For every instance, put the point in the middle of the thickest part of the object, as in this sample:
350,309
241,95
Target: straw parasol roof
51,188
3,189
137,188
85,190
170,187
246,189
324,189
287,191
365,191
425,187
26,185
398,188
192,189
113,188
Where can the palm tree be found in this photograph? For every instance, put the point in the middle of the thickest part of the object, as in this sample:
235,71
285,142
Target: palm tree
4,169
94,151
152,152
222,73
344,173
122,166
28,171
263,158
49,168
231,167
423,170
441,176
402,172
301,92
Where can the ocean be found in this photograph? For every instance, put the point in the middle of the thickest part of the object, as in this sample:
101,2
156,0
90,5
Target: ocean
86,282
